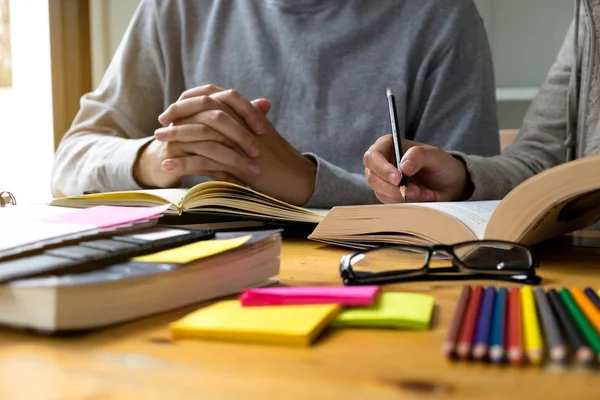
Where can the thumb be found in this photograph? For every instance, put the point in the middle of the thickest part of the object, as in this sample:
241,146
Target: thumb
262,104
418,158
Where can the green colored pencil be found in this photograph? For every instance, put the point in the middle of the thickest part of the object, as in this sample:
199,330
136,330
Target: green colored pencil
584,325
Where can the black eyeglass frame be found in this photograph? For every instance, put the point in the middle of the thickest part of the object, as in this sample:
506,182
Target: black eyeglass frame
426,273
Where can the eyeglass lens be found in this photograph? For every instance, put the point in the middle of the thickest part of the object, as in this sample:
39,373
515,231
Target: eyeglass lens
496,257
389,259
490,257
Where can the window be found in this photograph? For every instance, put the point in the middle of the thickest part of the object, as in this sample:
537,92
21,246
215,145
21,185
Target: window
5,53
26,128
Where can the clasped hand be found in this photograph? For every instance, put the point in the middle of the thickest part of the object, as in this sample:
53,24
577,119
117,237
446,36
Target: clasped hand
218,133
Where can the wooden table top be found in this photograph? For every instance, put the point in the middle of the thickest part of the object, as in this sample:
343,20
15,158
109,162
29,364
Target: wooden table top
137,360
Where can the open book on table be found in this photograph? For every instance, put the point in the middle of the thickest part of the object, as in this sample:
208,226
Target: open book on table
213,197
552,203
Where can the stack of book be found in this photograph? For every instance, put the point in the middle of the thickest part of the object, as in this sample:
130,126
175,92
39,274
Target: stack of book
64,269
142,286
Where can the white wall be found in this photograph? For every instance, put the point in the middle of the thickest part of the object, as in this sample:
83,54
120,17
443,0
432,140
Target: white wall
524,35
26,132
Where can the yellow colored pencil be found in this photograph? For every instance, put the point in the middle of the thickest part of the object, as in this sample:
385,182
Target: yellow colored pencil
533,338
589,309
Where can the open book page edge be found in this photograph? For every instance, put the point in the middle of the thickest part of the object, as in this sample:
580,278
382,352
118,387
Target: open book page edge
196,192
527,207
128,197
350,222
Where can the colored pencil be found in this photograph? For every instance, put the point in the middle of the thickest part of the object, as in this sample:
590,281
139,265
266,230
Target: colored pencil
482,334
587,307
449,346
583,353
498,328
557,350
465,339
584,325
593,297
534,345
513,337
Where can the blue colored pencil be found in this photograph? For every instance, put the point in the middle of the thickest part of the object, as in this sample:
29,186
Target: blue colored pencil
482,334
591,294
497,341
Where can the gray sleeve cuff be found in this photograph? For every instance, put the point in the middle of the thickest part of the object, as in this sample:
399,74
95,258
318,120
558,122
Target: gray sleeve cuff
125,155
484,176
336,187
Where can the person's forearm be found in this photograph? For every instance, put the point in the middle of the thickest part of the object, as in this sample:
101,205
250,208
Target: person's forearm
95,162
493,177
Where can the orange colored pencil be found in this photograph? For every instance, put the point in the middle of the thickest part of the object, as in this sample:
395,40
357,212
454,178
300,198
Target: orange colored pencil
589,309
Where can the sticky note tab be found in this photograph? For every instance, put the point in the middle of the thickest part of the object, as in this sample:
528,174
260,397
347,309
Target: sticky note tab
229,320
343,295
391,310
108,216
194,251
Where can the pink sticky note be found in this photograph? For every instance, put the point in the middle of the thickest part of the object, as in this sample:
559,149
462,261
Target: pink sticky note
344,295
108,216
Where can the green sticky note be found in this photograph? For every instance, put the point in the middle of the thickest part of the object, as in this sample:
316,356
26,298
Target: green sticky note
391,310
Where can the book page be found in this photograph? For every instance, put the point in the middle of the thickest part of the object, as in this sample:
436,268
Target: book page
321,211
24,224
475,215
174,196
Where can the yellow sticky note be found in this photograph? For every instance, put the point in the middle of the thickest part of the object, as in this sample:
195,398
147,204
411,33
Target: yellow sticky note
194,251
229,320
391,310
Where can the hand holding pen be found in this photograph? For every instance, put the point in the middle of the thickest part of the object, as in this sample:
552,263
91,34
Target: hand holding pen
407,171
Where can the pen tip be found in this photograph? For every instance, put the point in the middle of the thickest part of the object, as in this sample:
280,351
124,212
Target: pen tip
388,92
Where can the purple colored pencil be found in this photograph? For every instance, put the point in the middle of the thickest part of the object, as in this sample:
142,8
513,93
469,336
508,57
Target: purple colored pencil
591,294
482,334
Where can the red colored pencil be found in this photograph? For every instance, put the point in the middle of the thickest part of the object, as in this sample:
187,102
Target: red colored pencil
514,339
465,339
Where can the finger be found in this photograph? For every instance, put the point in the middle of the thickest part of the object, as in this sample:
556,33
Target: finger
383,187
242,107
211,156
418,158
417,194
204,90
387,200
224,124
191,133
188,107
376,160
262,104
208,112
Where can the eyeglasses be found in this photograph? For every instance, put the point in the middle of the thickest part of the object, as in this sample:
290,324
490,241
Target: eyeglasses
483,259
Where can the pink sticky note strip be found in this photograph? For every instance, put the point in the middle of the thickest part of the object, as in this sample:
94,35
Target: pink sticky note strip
108,216
344,295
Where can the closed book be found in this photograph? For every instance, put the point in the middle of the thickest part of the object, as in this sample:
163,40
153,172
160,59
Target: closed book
135,289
